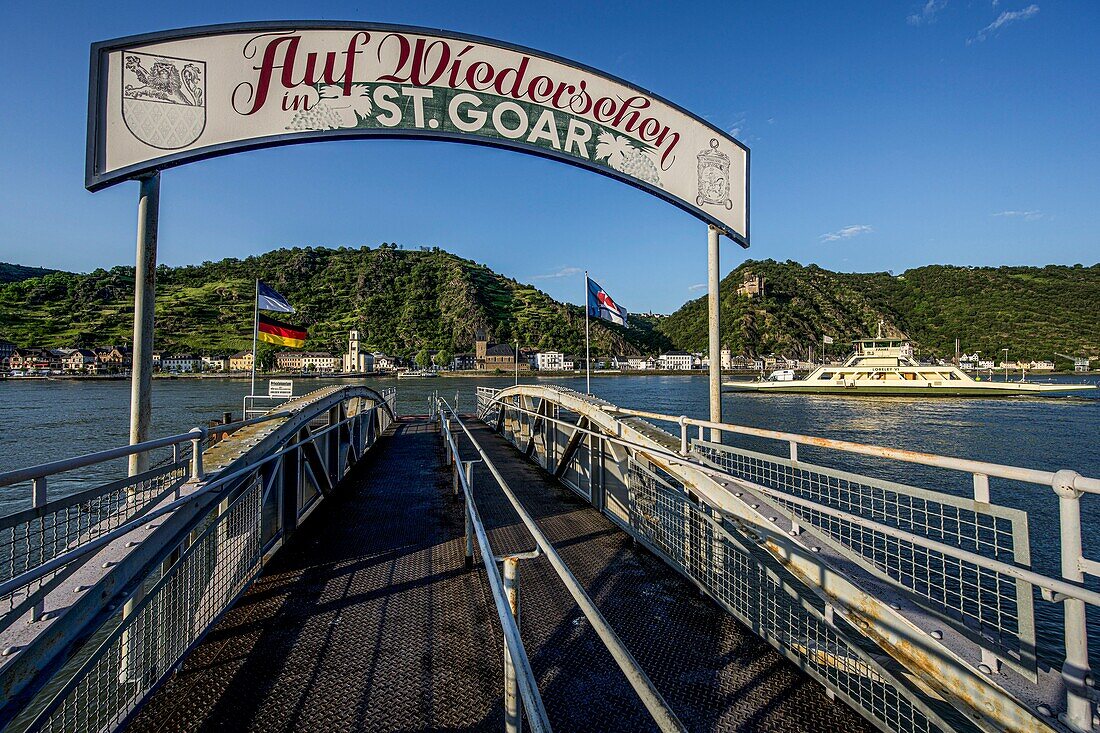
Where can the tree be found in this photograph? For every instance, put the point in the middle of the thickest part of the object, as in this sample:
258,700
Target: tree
443,358
424,358
265,357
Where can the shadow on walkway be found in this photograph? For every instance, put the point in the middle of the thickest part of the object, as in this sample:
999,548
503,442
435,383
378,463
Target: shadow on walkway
366,620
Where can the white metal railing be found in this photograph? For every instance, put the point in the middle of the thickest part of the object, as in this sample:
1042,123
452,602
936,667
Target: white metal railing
37,543
104,653
520,681
967,559
658,708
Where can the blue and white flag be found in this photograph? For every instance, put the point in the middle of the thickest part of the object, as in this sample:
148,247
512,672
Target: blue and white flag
267,299
600,305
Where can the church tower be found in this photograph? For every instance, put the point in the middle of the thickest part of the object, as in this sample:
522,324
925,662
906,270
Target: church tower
353,362
481,343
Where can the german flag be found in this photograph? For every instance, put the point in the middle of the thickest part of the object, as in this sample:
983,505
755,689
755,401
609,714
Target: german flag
275,332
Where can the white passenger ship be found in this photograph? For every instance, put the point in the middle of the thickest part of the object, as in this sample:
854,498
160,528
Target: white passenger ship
885,366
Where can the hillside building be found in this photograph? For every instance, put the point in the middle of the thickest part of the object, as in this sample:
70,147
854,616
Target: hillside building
306,361
675,361
33,359
241,362
215,363
7,348
752,286
549,361
383,362
80,361
180,363
357,361
463,362
489,356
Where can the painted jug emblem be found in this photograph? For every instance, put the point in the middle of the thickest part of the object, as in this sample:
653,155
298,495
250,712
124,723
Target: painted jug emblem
714,177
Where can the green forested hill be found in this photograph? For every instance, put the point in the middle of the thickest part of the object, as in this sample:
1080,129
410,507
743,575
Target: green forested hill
403,301
10,273
1032,311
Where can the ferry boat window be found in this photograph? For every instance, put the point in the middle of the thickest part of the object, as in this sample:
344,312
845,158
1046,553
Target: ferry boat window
910,376
826,375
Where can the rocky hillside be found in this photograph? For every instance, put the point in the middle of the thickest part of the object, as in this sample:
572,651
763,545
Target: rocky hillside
1034,312
403,301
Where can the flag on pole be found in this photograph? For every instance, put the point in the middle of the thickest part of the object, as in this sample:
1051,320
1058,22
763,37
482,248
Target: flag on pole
268,300
826,339
275,332
601,305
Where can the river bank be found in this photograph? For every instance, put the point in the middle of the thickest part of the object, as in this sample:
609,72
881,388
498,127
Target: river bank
499,374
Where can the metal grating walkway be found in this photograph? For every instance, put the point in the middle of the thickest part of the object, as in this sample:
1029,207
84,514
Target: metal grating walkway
366,620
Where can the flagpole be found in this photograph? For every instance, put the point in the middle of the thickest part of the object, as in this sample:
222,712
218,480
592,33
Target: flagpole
255,329
587,343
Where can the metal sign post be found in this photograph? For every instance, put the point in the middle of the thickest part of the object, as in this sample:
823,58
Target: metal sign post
714,333
141,369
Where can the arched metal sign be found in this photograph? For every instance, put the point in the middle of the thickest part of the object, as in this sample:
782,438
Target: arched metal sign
166,99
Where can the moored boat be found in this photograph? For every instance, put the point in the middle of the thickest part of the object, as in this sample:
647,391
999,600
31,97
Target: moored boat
416,374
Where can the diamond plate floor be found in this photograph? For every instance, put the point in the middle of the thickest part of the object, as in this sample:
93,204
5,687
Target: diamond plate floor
367,621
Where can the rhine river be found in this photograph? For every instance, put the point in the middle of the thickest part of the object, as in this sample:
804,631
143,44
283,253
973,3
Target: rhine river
48,420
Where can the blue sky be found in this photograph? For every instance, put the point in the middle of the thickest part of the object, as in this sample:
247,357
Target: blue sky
884,135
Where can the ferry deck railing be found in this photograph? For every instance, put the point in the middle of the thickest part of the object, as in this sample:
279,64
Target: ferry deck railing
960,565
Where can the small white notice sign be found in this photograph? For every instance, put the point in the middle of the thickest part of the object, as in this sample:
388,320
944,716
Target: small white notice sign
280,388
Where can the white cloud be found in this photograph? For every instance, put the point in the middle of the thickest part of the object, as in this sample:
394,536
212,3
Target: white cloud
561,272
847,232
1009,16
697,286
1030,215
927,13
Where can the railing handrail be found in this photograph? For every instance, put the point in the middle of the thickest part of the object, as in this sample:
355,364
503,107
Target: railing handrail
654,702
1056,585
34,663
29,576
1069,590
525,677
30,473
966,465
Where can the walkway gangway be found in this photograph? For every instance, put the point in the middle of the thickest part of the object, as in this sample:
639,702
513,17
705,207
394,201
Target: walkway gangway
914,605
106,589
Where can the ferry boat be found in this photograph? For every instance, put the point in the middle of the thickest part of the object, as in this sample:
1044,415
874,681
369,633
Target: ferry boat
885,366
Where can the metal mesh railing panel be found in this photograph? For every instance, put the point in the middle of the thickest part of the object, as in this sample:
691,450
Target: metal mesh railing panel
994,605
65,524
684,532
487,408
177,610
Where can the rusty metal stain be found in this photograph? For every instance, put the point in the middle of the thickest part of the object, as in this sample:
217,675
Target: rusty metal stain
932,672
